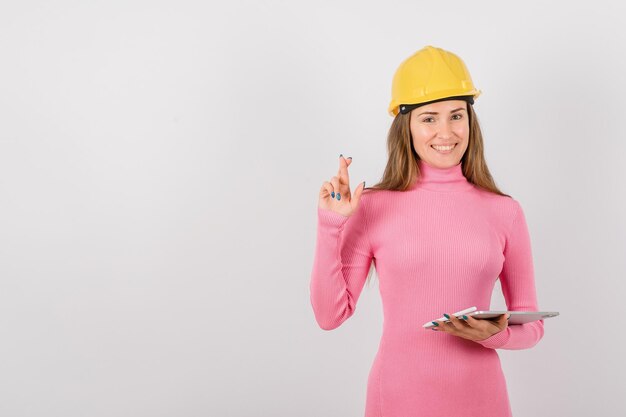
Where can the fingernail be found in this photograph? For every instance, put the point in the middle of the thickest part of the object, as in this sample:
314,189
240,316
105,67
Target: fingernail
464,317
338,196
363,184
432,328
435,323
446,316
340,155
332,194
349,157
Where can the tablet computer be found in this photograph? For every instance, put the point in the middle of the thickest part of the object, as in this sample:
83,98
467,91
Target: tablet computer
517,317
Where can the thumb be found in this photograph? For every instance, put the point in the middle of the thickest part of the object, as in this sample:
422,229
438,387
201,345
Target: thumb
356,197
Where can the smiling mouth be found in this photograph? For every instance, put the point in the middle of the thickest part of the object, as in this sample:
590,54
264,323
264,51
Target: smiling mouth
444,149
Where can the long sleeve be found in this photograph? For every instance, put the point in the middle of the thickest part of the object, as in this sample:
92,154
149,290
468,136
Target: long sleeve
343,257
518,287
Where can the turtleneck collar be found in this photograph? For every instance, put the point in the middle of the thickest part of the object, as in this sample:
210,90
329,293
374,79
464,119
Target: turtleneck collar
441,179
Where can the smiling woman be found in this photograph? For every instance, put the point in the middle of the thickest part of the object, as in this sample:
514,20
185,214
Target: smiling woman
419,129
439,233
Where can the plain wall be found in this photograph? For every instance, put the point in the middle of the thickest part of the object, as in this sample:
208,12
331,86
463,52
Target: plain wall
160,164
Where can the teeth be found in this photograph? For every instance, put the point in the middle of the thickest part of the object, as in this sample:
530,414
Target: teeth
443,148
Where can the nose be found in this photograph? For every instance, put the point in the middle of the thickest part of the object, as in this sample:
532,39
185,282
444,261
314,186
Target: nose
445,130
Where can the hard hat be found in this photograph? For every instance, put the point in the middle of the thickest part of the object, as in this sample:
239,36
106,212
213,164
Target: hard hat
431,74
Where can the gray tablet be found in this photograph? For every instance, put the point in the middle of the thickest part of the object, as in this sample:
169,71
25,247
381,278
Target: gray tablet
517,317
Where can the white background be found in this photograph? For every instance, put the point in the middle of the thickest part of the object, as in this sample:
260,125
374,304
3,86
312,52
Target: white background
160,164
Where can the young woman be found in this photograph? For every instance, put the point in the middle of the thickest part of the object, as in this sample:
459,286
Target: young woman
439,233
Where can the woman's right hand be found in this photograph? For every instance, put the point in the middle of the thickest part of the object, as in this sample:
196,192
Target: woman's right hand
335,194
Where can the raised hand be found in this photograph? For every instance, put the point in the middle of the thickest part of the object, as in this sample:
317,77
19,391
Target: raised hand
335,194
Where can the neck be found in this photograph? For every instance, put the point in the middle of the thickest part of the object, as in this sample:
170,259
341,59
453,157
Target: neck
441,179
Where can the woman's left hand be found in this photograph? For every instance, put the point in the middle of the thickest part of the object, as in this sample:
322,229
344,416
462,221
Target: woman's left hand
473,329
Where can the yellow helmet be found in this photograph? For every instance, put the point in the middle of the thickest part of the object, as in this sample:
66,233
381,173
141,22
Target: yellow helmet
430,74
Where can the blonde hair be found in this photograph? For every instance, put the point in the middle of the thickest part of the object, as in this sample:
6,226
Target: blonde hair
402,165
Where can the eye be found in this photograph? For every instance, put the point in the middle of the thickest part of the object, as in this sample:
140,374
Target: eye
460,116
428,118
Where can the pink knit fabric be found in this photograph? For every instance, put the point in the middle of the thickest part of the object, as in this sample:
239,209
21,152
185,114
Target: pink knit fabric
438,247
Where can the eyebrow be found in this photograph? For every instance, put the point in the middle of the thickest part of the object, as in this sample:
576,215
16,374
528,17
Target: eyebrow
434,112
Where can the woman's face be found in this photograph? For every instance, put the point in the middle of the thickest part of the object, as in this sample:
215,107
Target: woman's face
441,123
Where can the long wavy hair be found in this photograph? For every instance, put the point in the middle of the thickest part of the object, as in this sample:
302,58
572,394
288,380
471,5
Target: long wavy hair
402,165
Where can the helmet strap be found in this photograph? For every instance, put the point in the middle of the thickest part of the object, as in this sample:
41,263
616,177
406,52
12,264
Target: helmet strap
406,108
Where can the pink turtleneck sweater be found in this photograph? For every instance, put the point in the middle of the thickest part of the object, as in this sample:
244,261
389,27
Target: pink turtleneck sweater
438,247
